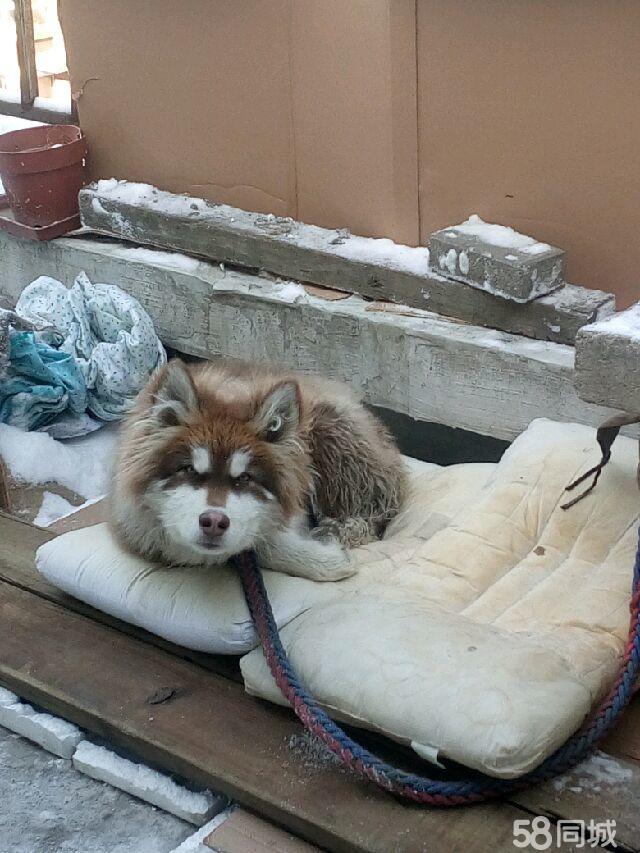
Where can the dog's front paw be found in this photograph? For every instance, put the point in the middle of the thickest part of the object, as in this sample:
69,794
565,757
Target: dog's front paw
329,561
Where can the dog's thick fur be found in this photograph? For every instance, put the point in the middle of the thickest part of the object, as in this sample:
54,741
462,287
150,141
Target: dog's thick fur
298,466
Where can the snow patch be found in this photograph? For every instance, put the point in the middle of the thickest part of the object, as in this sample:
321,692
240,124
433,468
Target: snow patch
171,260
598,770
448,261
291,292
147,784
81,465
501,235
54,507
51,733
625,323
464,263
385,252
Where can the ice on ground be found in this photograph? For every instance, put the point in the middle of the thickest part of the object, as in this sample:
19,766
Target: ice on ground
145,783
501,235
385,252
81,464
598,770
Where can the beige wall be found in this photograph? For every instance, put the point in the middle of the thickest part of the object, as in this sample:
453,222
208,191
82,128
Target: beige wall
529,114
390,117
285,106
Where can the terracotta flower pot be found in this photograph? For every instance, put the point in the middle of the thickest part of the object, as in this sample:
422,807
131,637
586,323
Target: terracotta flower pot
43,169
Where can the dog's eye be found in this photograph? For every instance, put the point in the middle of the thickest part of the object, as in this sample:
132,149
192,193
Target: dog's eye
243,479
187,468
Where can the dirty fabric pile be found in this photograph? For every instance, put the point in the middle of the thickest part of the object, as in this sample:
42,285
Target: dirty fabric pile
68,356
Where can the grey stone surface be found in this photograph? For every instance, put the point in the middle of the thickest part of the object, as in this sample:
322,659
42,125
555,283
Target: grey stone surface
608,361
49,807
506,272
424,366
335,259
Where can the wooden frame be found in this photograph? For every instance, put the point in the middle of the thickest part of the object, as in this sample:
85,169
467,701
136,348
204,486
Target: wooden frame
27,107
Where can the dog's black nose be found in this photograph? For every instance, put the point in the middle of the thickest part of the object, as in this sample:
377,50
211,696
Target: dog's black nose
213,523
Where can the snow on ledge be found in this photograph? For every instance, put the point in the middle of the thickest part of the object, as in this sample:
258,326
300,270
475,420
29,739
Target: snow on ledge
369,250
499,235
625,323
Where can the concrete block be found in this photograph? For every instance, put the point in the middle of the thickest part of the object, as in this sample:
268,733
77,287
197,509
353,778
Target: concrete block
422,365
147,784
372,268
607,366
51,733
497,259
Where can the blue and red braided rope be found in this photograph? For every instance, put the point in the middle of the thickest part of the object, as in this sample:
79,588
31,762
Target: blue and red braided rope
421,789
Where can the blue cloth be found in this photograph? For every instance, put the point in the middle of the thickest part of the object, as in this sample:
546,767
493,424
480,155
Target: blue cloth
40,383
107,332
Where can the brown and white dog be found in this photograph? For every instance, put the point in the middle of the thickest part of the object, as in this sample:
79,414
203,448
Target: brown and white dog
222,457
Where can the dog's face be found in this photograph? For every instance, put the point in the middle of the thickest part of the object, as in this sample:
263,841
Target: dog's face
219,481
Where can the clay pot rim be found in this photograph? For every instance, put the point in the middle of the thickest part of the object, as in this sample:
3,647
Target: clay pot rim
78,137
57,153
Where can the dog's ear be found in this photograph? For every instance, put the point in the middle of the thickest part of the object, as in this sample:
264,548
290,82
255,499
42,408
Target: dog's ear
174,396
278,415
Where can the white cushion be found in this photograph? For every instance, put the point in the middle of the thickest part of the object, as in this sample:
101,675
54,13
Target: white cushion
489,640
200,608
482,628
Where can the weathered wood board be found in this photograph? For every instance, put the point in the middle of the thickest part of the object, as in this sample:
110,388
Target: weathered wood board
68,660
424,366
214,735
19,542
375,269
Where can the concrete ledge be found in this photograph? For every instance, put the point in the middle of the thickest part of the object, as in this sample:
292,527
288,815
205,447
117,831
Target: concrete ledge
518,267
421,365
377,269
608,361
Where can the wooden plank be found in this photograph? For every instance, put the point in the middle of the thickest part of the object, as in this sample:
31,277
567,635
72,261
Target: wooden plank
599,789
19,542
5,501
243,832
214,735
307,253
423,366
624,740
26,50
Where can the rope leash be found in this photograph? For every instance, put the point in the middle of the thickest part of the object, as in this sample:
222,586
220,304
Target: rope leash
410,786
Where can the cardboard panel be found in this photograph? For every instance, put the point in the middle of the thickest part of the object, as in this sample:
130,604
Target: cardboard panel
528,116
355,115
192,97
